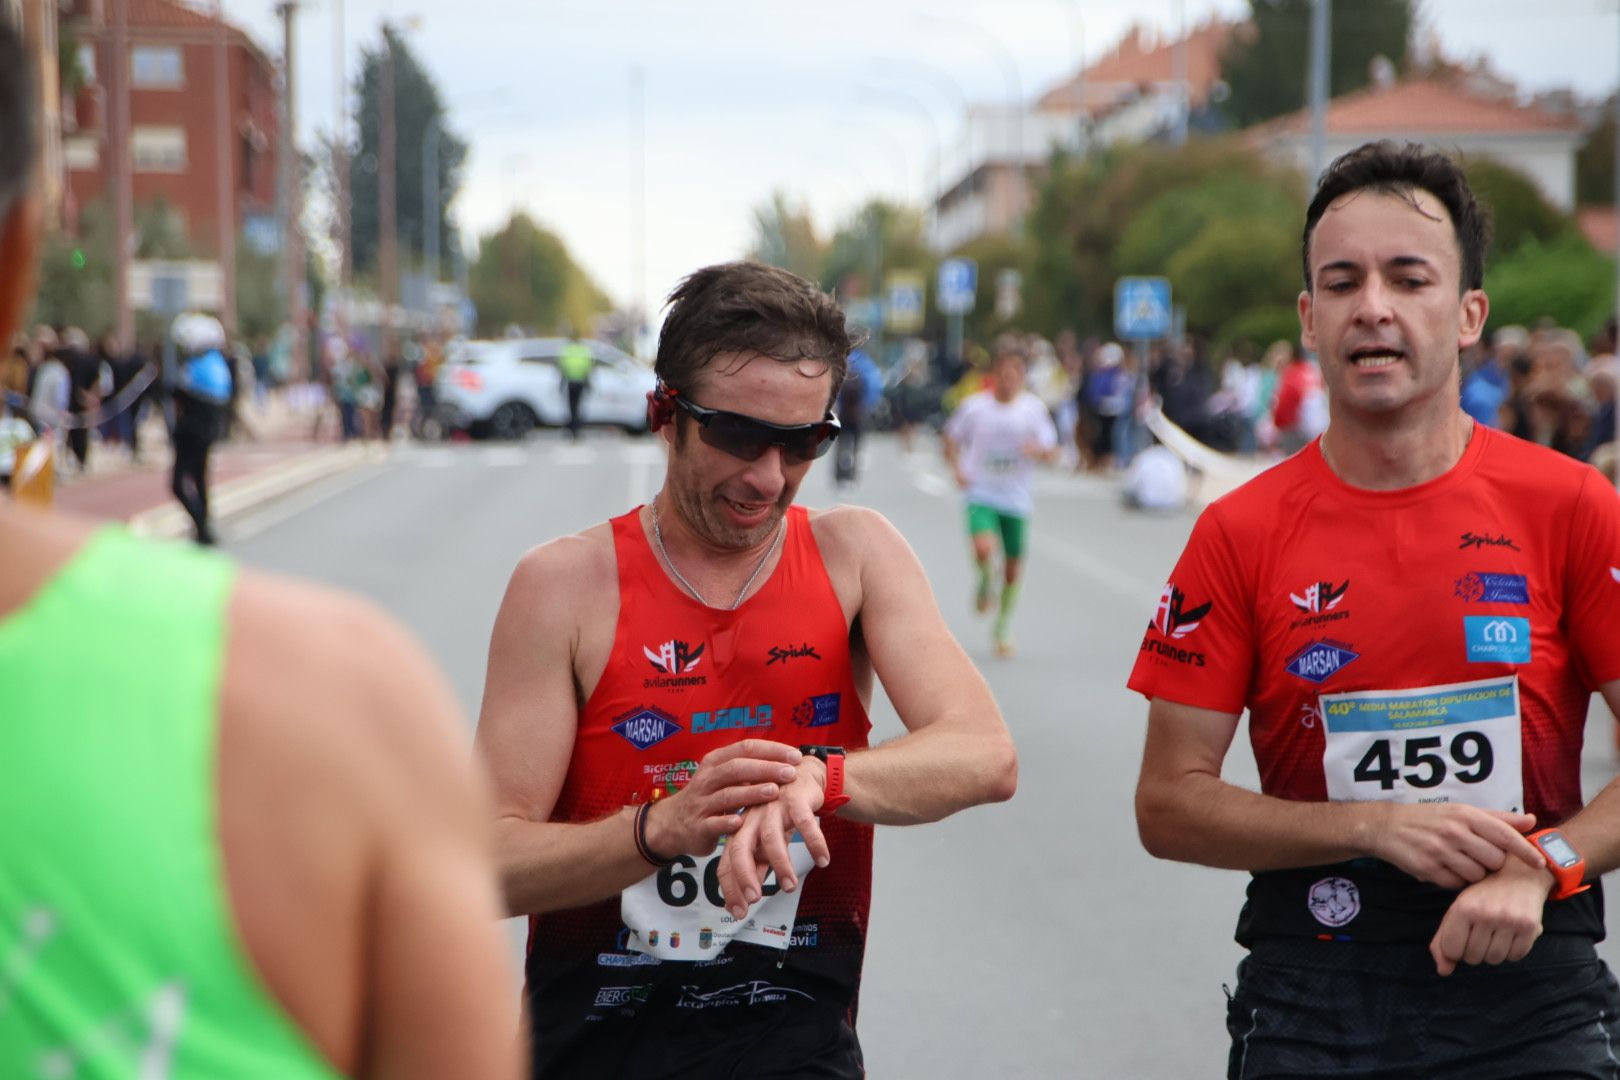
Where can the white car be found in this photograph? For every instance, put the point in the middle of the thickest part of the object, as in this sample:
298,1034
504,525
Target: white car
508,387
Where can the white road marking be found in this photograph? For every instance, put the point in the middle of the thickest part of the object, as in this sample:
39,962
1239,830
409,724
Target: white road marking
504,457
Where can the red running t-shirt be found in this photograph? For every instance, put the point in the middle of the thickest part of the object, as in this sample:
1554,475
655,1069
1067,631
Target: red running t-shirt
1437,643
684,679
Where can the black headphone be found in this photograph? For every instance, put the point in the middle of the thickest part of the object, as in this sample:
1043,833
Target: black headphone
660,405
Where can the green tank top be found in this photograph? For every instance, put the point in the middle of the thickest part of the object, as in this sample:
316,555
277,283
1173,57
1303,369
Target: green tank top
118,953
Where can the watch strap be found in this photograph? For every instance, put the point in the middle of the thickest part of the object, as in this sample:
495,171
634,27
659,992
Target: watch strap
1569,880
834,798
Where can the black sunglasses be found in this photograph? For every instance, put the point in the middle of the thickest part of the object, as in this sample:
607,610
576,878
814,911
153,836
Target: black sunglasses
747,438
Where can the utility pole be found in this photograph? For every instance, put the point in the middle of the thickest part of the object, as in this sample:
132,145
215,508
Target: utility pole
119,173
223,144
387,225
638,203
430,200
291,201
340,162
1178,59
1321,51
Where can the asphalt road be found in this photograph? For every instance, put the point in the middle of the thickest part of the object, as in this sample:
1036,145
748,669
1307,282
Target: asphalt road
1030,939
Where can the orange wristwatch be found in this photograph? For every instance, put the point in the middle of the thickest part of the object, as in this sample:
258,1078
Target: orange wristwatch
1568,866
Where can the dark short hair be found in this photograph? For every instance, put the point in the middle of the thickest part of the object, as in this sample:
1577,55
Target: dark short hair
1389,169
17,113
748,307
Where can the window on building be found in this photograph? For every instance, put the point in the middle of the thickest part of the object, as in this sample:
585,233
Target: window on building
156,67
159,149
87,63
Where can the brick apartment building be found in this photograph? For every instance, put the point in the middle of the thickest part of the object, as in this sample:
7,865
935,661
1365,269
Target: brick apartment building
172,68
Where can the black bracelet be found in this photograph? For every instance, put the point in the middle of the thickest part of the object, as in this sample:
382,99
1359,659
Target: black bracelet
641,838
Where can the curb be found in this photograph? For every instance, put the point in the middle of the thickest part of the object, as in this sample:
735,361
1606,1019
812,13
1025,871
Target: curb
170,522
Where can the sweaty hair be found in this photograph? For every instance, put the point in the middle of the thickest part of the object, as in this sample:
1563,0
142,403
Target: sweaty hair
751,308
17,113
1388,169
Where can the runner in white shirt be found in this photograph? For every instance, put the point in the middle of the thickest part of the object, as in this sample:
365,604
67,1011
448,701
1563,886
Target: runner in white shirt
992,442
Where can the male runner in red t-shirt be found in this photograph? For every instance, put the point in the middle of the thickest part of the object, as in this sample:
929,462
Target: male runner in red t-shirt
675,716
1415,611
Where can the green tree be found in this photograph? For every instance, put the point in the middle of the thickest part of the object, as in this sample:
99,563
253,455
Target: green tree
1520,214
1594,165
1086,209
417,107
524,276
785,237
877,237
1266,63
1565,280
1233,268
76,268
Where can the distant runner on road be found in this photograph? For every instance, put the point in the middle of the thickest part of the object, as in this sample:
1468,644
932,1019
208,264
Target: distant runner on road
1415,611
676,717
992,442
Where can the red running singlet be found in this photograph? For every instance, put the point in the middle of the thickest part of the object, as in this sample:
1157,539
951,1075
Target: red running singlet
684,679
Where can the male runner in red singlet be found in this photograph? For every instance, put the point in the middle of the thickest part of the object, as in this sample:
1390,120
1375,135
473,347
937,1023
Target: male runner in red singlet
700,669
1415,610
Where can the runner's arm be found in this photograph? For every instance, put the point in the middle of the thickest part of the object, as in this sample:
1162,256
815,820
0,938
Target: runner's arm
526,736
1595,830
1500,918
1186,812
957,752
438,998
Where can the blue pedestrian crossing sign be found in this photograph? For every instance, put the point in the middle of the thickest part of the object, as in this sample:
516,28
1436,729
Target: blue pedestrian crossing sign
1142,308
958,281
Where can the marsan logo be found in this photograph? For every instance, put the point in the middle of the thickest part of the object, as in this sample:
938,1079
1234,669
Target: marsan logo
674,657
1320,597
1173,618
781,654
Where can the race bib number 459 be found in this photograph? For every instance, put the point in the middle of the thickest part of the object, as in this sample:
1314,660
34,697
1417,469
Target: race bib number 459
1457,743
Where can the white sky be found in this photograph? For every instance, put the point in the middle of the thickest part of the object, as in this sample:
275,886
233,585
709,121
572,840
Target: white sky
746,97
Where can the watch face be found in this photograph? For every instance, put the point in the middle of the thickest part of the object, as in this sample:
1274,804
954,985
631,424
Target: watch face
1559,850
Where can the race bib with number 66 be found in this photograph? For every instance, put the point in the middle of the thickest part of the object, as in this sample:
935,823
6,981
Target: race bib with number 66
1441,744
679,913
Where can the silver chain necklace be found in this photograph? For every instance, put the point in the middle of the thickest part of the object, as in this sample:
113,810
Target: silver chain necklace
658,539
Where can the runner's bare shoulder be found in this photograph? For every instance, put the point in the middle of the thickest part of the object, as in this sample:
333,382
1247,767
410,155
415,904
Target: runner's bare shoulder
575,575
337,735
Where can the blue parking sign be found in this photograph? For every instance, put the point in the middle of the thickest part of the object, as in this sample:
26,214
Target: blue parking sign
1141,308
958,281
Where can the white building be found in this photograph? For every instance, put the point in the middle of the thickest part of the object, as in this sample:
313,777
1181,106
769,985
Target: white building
1445,113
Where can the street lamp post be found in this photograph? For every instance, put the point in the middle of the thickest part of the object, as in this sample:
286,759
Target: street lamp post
1321,46
1009,68
430,199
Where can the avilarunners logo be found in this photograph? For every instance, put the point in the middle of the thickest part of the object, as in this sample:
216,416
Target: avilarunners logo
675,661
1173,618
1319,597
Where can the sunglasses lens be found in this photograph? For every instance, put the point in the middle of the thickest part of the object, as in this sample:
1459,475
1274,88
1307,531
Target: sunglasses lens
744,438
736,435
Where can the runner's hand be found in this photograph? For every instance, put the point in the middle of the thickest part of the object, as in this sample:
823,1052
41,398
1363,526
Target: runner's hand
727,782
1450,844
761,844
1493,920
961,477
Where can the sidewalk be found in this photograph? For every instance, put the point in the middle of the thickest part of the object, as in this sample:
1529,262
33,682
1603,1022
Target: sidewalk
277,454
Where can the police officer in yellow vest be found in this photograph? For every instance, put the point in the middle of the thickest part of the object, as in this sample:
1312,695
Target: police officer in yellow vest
575,363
